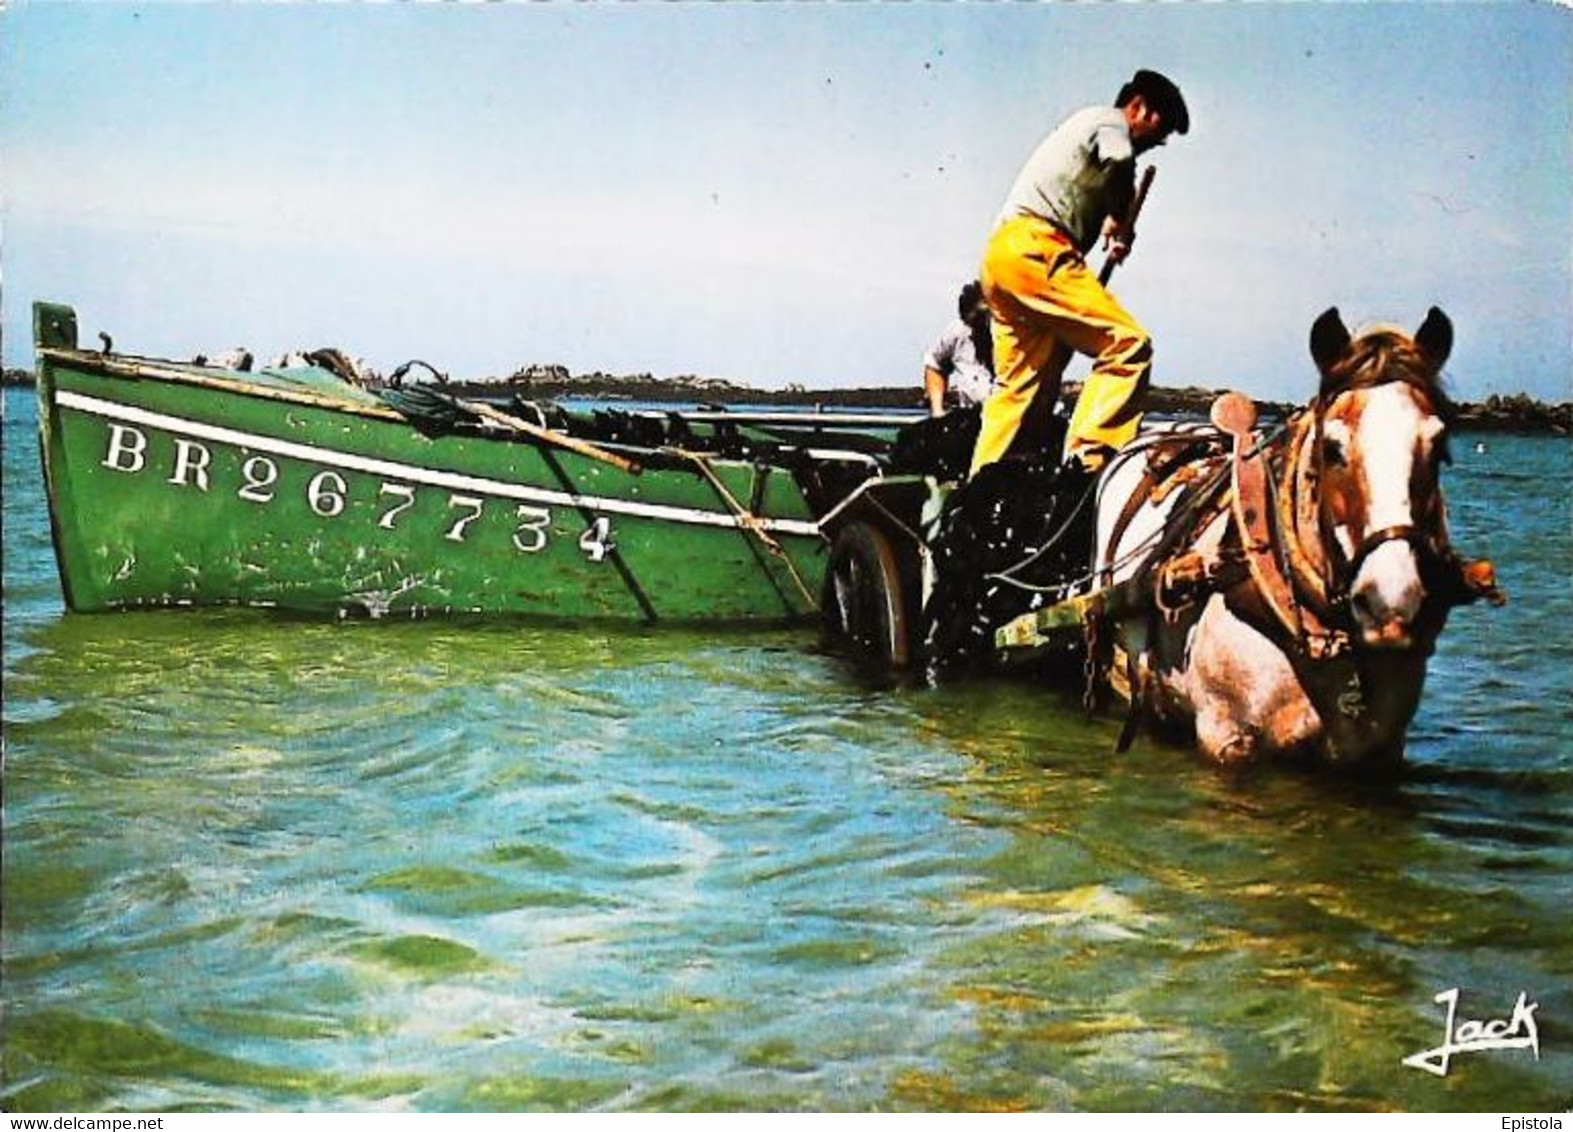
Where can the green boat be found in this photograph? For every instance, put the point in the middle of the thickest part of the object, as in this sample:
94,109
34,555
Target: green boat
183,484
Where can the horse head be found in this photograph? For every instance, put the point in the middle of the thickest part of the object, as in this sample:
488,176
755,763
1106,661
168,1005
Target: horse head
1377,435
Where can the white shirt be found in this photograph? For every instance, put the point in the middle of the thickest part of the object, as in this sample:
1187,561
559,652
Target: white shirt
955,356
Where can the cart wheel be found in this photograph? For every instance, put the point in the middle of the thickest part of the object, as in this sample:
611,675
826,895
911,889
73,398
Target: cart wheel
865,598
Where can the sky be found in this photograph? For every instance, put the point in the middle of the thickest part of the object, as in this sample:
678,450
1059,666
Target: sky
785,193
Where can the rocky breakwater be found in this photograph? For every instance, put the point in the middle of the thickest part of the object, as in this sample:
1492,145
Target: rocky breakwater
1516,412
551,382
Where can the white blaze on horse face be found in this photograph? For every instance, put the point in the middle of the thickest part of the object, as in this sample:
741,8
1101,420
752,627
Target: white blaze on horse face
1387,591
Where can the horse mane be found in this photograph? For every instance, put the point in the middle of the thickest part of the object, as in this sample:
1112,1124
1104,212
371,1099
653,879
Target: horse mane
1383,354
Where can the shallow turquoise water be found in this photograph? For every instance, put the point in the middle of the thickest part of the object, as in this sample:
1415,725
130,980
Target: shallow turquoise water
254,863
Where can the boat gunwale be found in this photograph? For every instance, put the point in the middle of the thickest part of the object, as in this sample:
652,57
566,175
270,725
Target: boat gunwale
133,366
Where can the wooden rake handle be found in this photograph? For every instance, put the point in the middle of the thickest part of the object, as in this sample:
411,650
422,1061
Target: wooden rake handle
1130,218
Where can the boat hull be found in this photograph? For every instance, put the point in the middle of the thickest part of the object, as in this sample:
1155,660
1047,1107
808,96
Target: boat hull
176,487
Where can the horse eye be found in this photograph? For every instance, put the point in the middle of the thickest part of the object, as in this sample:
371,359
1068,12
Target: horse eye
1333,452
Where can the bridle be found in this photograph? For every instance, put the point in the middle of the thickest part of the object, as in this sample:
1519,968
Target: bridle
1323,574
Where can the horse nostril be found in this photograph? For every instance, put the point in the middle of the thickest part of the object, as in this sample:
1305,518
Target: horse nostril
1381,622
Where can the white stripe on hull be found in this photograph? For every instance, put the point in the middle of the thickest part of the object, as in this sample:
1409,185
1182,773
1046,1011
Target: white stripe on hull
411,473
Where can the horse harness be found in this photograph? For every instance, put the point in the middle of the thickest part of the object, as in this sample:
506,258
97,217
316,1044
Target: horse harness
1238,534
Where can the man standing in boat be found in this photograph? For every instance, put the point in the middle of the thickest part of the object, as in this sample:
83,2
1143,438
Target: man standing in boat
1045,301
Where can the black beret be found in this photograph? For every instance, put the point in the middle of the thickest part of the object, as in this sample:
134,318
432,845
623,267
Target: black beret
1160,93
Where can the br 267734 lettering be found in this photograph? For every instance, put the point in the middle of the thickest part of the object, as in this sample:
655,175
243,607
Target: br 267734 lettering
327,493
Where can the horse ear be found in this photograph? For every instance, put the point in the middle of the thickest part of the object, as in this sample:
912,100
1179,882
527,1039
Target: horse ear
1329,339
1435,337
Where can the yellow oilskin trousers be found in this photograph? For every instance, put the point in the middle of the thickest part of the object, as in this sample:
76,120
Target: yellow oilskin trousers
1044,302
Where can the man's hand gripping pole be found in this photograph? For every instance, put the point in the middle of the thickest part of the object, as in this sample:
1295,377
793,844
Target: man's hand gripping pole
1125,230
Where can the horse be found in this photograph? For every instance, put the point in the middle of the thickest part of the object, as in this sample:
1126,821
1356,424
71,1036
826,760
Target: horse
1281,597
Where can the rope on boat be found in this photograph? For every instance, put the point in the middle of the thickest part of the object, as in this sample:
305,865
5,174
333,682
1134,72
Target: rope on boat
435,413
428,409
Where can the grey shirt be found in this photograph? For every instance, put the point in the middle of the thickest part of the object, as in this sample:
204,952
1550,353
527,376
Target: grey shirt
1075,173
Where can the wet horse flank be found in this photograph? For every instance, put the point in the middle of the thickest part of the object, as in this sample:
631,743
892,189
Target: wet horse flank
1296,587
